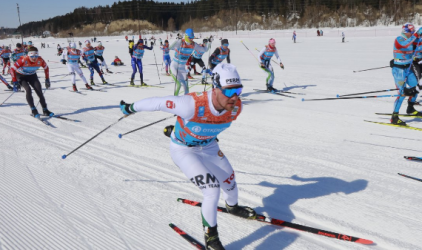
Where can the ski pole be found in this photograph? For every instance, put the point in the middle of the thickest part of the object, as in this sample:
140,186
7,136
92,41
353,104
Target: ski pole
39,100
7,98
249,51
355,71
352,97
376,91
158,72
109,126
121,135
410,177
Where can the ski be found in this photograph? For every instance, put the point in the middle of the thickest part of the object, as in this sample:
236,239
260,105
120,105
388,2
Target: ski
77,92
11,90
282,223
395,125
43,121
100,90
405,115
143,86
410,177
413,158
62,117
187,237
274,93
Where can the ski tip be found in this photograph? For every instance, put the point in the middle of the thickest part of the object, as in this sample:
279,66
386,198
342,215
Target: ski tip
365,242
64,157
120,136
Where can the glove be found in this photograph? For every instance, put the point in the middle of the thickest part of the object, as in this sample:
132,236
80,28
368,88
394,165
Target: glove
16,86
47,83
126,108
410,92
63,61
281,65
420,87
419,31
211,39
208,71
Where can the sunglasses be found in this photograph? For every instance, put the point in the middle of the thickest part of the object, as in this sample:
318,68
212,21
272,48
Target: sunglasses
226,44
33,55
229,92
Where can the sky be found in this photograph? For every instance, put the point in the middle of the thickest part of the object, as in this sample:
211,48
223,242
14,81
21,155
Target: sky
38,10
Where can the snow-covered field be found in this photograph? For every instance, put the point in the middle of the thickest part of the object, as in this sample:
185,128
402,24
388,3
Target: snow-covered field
313,163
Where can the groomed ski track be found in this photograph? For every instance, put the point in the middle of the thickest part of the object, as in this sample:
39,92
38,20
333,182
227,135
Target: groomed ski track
313,163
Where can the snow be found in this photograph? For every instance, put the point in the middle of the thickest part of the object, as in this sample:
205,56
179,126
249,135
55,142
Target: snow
314,163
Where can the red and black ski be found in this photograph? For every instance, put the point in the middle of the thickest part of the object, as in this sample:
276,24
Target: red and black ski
410,177
187,237
282,223
413,158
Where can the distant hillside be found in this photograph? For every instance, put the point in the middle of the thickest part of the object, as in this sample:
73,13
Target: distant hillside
228,15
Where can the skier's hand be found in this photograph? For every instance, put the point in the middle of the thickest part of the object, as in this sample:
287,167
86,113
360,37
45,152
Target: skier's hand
411,91
63,61
47,83
281,65
262,65
16,86
126,108
420,87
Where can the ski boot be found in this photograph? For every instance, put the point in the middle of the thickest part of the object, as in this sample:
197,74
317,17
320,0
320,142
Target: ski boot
102,72
47,112
104,81
88,87
35,112
108,71
271,89
132,83
9,87
396,120
189,76
411,110
197,73
144,84
212,241
92,82
168,130
203,81
241,211
74,88
168,74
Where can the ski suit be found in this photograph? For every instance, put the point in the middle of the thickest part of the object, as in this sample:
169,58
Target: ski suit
403,52
264,57
166,56
25,72
194,148
89,57
183,50
138,54
72,64
197,57
98,51
5,56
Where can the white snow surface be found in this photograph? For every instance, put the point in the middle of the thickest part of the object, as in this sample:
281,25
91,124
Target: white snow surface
314,163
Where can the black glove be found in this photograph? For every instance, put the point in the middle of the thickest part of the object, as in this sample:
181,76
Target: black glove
410,92
126,108
64,61
47,83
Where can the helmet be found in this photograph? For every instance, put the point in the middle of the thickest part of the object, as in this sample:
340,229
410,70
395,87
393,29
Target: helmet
271,42
408,28
189,33
225,74
73,45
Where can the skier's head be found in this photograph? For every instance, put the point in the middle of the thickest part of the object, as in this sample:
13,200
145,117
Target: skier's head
100,44
228,86
140,41
6,47
73,46
408,29
204,40
87,43
29,43
166,41
33,54
271,42
18,45
189,35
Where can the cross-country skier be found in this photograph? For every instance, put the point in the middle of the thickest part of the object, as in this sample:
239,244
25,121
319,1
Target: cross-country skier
294,36
343,36
265,56
72,54
196,57
183,49
24,74
406,81
98,51
89,57
201,117
5,56
138,54
166,55
219,54
18,52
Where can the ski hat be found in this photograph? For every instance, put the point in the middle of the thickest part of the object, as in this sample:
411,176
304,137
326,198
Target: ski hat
271,42
73,45
224,41
141,41
87,42
29,43
7,47
190,34
99,43
166,41
225,74
408,28
205,40
18,45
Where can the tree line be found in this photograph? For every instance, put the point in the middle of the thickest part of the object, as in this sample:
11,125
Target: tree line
172,16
